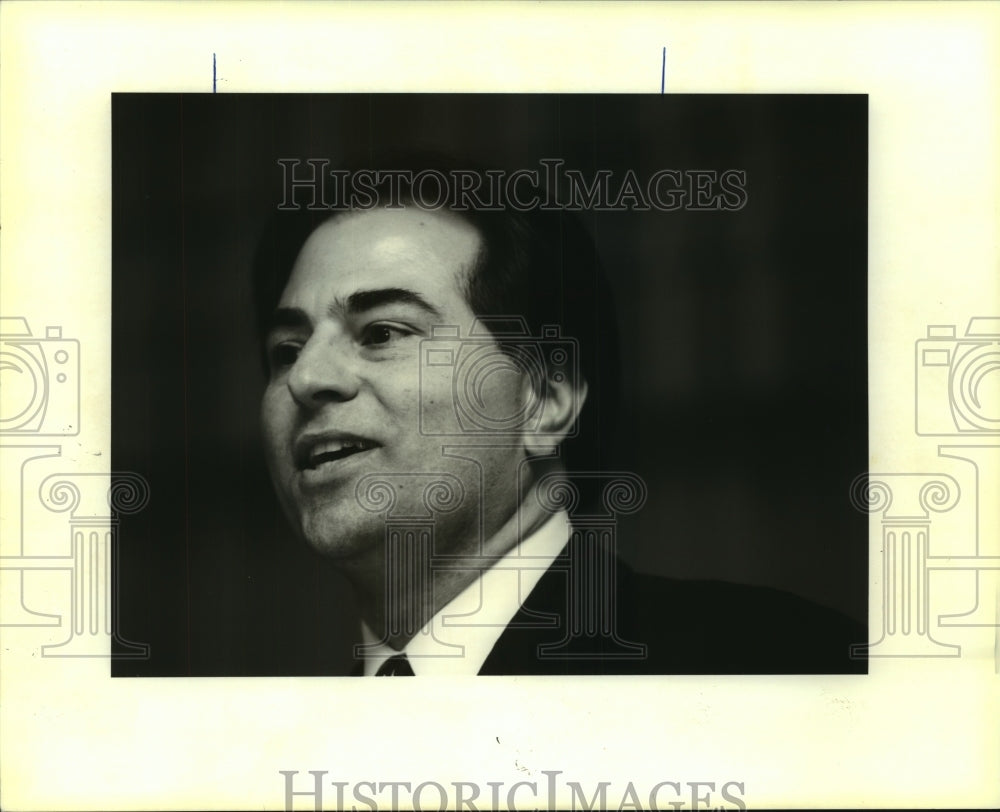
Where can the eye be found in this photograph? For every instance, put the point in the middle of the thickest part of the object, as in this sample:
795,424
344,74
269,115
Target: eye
381,334
284,355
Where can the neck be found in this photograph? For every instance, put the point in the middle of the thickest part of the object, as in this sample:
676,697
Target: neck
404,589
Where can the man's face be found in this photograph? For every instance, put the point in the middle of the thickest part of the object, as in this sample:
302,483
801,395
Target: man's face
345,392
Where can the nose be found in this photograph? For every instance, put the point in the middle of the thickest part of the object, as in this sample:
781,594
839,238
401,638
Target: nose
323,373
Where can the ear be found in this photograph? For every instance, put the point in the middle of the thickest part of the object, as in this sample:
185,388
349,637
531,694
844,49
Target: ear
561,403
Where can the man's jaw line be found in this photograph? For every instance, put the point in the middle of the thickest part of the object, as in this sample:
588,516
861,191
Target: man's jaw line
326,458
448,579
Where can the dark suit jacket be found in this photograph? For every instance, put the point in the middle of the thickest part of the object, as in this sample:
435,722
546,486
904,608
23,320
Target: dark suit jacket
667,626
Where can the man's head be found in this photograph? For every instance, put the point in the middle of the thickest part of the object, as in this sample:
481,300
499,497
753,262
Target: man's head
346,301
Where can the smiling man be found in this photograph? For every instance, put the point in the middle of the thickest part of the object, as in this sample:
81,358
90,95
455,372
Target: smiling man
431,418
346,399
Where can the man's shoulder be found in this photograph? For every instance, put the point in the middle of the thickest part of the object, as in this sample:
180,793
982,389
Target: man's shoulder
639,623
721,627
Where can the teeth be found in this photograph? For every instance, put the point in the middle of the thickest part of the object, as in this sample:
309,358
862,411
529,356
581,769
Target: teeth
336,447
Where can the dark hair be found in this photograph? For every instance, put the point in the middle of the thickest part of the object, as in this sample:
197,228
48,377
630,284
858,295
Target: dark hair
540,265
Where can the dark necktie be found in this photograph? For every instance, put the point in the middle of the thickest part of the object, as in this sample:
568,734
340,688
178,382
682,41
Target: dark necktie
395,666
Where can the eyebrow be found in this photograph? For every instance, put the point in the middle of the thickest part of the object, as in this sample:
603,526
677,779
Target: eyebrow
363,300
360,301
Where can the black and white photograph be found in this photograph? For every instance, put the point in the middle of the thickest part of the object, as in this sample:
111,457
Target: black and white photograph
626,372
491,384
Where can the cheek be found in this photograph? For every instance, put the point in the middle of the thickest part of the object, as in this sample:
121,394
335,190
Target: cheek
467,405
501,393
492,401
426,403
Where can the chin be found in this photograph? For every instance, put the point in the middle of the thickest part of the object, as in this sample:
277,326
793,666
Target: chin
340,535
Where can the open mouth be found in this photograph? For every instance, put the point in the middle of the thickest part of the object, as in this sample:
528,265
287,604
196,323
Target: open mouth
314,456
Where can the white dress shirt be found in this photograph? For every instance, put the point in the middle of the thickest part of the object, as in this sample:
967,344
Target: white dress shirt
459,638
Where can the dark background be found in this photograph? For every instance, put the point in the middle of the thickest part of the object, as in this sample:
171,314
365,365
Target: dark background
743,337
